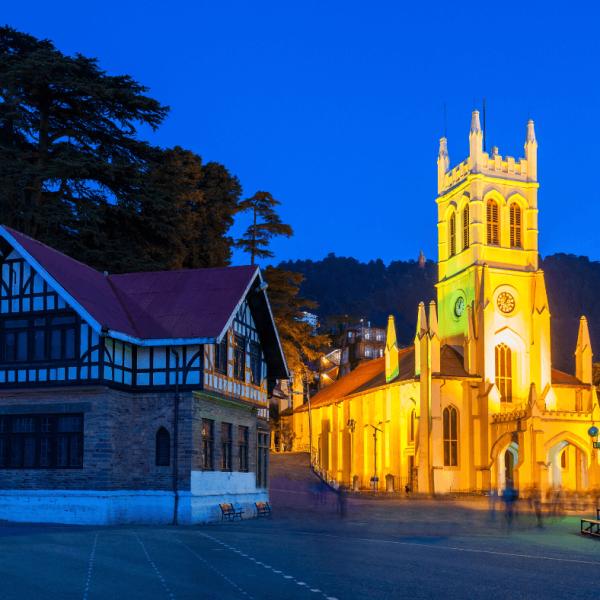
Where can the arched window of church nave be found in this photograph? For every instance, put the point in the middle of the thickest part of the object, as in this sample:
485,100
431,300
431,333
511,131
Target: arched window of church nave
411,426
453,234
515,226
504,372
450,437
466,227
493,228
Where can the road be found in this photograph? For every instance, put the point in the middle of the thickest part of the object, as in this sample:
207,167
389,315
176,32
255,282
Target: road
381,549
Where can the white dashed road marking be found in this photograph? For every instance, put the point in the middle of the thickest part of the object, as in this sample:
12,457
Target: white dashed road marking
87,583
301,583
237,587
153,565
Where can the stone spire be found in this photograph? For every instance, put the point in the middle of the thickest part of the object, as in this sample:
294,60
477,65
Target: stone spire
421,334
540,301
391,351
443,162
531,152
434,336
583,353
476,143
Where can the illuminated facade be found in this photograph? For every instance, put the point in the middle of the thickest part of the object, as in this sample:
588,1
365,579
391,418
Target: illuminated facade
475,403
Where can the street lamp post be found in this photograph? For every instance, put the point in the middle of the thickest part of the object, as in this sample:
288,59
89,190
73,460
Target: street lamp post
375,478
351,426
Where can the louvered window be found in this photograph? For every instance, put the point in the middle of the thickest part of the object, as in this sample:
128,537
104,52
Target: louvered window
466,227
452,234
163,448
515,226
504,372
492,223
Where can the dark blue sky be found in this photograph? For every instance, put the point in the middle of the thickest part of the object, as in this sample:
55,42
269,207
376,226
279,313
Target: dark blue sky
336,108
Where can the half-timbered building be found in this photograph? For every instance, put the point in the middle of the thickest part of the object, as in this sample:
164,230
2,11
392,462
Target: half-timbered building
131,398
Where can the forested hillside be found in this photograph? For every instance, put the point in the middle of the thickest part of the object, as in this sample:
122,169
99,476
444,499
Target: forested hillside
345,286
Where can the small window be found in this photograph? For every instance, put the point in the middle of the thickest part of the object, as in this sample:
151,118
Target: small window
255,364
207,442
368,352
243,448
515,226
239,358
493,235
411,427
380,336
262,463
221,355
466,227
452,234
163,448
225,447
450,427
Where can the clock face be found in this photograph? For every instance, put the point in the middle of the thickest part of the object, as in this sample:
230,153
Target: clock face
459,306
506,302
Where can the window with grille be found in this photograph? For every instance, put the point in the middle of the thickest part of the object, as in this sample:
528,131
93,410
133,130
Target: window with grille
450,437
504,372
452,234
515,226
493,236
207,444
255,364
41,442
243,448
466,227
221,355
225,447
239,358
163,448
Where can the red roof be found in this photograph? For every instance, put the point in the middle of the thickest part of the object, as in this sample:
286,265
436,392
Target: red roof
560,378
197,303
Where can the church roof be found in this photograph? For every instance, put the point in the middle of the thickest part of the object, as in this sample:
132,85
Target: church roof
560,378
156,308
371,375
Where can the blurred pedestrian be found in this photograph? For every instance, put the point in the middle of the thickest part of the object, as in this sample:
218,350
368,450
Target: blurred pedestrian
493,498
342,497
509,497
536,497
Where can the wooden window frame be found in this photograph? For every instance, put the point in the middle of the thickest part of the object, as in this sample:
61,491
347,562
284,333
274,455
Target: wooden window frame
220,364
255,364
243,437
226,446
42,429
239,358
493,222
262,460
207,444
516,226
450,436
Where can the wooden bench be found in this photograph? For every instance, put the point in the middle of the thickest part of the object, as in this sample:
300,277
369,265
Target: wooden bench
263,509
227,510
590,526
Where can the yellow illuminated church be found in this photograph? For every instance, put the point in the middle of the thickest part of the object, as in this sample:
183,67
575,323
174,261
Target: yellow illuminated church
475,404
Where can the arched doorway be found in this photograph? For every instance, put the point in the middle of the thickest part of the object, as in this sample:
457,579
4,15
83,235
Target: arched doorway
567,466
507,459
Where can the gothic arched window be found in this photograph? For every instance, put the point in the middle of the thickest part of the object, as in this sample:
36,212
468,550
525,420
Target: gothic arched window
493,228
453,234
515,226
163,448
411,426
466,227
504,372
450,437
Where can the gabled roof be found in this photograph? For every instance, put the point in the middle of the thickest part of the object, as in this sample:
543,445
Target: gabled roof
560,378
371,375
157,308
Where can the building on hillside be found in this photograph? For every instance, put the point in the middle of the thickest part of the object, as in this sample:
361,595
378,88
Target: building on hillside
361,345
475,404
91,367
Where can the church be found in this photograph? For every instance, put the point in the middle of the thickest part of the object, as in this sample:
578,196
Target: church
475,404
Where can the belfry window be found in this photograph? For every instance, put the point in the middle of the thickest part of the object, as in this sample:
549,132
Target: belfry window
466,227
493,235
450,437
504,372
515,226
452,234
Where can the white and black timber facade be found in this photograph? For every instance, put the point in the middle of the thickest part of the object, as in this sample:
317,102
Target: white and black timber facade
88,370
